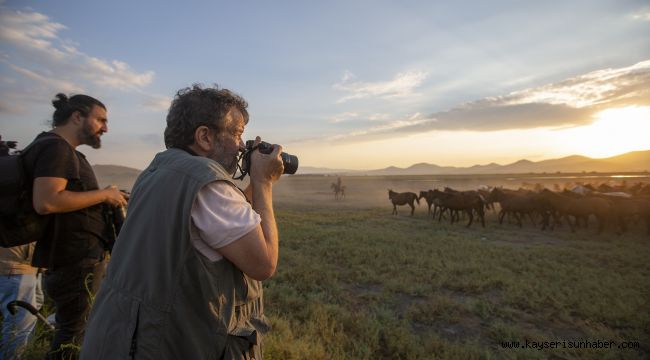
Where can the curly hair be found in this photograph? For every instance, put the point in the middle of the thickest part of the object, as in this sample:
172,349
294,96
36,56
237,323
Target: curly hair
198,106
65,107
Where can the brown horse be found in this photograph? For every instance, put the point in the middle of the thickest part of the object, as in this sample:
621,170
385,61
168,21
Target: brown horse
580,207
428,196
465,201
517,204
406,198
489,205
625,210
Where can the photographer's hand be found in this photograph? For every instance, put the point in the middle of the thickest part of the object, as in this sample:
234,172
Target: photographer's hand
115,197
256,253
266,168
50,196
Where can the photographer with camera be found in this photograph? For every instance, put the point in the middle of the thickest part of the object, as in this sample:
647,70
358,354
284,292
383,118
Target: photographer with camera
185,277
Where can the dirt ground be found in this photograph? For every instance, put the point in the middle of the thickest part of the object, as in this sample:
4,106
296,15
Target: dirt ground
372,191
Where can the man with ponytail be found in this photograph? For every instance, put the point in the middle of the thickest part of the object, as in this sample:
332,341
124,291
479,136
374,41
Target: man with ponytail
65,189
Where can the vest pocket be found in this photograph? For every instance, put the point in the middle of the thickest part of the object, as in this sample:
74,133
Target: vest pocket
253,289
145,332
244,342
113,326
133,331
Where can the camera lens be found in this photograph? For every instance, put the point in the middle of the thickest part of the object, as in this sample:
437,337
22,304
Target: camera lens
290,163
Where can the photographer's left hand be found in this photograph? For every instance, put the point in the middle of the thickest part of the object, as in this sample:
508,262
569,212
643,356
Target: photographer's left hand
266,167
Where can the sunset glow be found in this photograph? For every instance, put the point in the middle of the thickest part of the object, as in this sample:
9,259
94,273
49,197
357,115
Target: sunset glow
614,132
341,85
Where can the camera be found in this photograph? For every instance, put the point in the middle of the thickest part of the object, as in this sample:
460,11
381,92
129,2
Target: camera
114,217
289,161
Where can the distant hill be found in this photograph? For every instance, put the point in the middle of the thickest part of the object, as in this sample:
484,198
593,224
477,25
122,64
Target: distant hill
637,161
320,170
121,176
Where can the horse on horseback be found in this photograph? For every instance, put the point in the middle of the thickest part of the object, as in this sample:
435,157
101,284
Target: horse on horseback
339,189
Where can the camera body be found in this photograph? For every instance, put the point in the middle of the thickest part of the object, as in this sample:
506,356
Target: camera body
114,217
289,161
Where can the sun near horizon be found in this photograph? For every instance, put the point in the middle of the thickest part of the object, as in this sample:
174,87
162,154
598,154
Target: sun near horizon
615,131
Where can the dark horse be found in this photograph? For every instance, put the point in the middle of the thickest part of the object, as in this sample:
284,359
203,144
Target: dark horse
406,198
466,201
580,207
428,196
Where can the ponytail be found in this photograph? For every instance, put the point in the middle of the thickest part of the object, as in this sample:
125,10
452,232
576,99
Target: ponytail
65,107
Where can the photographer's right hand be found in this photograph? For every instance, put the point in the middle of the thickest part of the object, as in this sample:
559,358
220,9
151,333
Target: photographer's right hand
267,168
114,196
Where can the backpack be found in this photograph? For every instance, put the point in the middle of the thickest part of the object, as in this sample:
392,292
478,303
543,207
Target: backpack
19,222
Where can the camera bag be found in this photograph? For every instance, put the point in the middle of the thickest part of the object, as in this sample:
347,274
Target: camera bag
19,222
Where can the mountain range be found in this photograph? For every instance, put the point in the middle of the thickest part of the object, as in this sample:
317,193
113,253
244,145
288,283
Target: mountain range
636,161
121,176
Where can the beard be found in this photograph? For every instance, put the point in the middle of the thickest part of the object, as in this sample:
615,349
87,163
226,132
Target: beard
227,161
230,164
90,138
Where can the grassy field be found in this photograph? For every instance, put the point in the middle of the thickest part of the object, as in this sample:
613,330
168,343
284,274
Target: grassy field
355,282
362,284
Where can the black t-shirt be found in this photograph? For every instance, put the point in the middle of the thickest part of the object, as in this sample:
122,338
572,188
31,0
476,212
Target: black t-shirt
72,236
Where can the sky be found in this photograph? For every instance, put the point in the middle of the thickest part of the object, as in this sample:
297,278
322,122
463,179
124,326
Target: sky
344,84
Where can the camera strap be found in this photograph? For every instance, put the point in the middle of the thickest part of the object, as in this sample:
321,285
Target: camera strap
242,171
245,156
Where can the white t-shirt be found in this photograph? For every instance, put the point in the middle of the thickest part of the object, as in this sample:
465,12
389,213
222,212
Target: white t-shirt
220,215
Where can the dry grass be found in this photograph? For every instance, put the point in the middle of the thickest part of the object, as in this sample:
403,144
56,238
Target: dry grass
362,284
355,282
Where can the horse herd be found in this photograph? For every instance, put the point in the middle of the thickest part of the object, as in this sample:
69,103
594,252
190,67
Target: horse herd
543,207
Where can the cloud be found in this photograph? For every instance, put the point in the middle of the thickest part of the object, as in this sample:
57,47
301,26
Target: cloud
30,30
152,139
157,102
338,118
378,117
402,85
608,86
43,53
347,75
7,107
643,15
389,126
486,116
117,75
571,102
48,82
349,116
